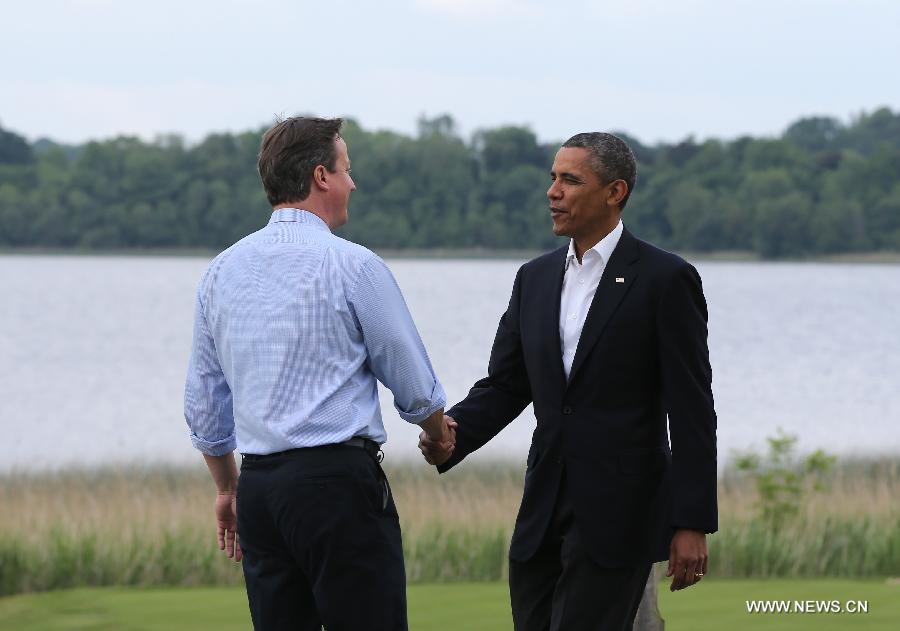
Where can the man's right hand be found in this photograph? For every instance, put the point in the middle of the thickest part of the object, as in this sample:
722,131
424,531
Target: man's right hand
226,525
437,448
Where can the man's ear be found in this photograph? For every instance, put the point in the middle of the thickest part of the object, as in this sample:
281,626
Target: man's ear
618,189
320,174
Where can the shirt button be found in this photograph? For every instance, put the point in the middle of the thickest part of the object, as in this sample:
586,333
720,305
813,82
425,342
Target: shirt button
567,410
581,282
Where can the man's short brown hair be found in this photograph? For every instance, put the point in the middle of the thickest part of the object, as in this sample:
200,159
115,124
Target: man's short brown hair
291,150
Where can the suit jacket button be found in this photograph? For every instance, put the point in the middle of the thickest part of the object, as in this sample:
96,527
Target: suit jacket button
567,410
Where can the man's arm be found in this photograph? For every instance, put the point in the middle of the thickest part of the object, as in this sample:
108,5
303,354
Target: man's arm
687,393
225,474
396,353
208,407
210,417
495,401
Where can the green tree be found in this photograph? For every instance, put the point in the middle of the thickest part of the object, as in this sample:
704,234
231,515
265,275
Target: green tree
821,187
882,220
782,226
815,134
693,214
14,149
15,226
505,148
782,480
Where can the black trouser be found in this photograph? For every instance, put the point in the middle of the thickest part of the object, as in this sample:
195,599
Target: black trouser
321,542
561,589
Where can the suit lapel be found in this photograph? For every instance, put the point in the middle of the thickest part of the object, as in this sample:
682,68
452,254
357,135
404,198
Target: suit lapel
617,279
548,307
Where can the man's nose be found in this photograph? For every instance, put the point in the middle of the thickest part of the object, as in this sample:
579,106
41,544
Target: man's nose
553,192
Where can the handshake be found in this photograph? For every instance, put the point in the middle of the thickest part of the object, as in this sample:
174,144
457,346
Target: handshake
438,438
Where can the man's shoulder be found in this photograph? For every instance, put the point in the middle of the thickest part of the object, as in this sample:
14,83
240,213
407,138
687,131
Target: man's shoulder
546,260
322,241
225,254
351,250
659,259
664,270
222,258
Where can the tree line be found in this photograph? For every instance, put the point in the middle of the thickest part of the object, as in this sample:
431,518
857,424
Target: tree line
821,187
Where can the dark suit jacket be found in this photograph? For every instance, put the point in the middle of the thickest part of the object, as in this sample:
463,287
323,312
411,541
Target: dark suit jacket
642,355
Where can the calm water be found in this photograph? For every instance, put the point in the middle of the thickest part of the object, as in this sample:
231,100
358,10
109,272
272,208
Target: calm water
93,353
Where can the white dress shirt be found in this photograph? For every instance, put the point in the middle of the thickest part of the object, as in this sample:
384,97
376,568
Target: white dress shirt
579,286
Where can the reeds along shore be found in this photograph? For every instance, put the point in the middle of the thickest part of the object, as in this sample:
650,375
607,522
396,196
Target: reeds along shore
155,527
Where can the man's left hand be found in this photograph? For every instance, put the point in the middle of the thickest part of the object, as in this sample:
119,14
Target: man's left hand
687,558
226,522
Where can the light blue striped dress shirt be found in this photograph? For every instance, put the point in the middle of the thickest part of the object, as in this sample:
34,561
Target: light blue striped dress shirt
293,327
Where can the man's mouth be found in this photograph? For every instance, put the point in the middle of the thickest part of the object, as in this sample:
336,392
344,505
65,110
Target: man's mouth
556,212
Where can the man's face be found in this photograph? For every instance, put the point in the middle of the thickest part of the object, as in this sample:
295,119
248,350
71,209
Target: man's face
341,184
578,199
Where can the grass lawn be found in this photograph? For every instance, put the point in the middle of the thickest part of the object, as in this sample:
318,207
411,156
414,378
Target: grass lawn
467,606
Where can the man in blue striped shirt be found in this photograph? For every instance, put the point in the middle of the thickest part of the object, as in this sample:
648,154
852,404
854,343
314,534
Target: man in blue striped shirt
293,327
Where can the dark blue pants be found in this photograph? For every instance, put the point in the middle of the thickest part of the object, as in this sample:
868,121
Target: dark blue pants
321,542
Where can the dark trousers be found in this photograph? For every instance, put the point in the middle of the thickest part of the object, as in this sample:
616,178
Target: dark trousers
561,589
321,542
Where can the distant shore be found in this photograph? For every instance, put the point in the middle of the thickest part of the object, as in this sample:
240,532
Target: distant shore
725,256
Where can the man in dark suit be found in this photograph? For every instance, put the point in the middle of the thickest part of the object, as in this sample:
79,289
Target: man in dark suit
606,336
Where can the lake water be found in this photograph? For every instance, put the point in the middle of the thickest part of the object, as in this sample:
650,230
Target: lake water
93,353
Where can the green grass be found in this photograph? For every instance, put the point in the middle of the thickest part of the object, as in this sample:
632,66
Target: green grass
714,604
470,606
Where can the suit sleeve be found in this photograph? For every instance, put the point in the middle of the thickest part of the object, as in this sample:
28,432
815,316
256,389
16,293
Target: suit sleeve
496,400
688,398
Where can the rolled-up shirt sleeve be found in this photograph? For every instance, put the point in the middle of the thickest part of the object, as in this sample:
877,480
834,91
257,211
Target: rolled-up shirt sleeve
208,406
397,356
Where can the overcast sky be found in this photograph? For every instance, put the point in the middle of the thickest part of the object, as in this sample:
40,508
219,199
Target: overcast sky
660,70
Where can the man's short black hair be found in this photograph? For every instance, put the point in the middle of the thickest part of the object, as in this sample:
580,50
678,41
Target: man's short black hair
611,158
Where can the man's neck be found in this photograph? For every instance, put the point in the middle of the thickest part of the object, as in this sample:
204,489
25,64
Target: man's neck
586,242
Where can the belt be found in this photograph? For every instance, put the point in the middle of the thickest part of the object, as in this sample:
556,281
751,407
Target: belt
371,447
368,444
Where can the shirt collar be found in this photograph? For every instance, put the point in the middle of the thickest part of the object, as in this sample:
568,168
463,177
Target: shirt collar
604,247
298,215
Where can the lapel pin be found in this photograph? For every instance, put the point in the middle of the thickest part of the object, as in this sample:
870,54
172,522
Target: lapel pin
619,279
